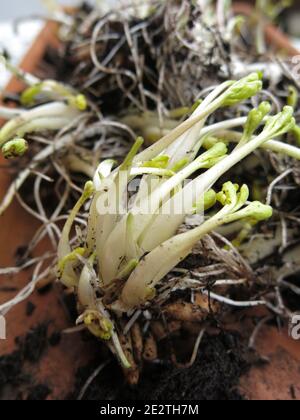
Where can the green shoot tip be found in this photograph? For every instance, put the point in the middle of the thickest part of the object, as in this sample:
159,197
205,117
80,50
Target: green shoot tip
14,148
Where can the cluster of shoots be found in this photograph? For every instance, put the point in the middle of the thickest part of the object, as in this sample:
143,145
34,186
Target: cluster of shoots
132,240
47,105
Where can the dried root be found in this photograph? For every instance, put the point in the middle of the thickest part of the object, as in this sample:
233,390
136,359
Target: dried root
197,312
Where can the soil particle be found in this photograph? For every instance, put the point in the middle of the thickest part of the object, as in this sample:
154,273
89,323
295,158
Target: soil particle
10,369
214,376
30,308
34,344
55,339
13,367
38,393
20,255
191,262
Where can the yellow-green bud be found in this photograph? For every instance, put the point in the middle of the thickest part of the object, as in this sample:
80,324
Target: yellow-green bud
281,123
81,102
243,195
243,89
14,148
100,327
228,195
258,211
89,189
210,141
210,199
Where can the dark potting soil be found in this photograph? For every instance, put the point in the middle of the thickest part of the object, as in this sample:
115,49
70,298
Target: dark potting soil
70,304
54,339
11,369
38,393
290,298
214,376
34,343
13,372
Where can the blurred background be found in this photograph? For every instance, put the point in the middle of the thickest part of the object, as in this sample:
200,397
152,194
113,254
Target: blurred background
15,40
16,8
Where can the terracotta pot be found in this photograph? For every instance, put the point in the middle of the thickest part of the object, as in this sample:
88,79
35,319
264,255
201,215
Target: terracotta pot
58,365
